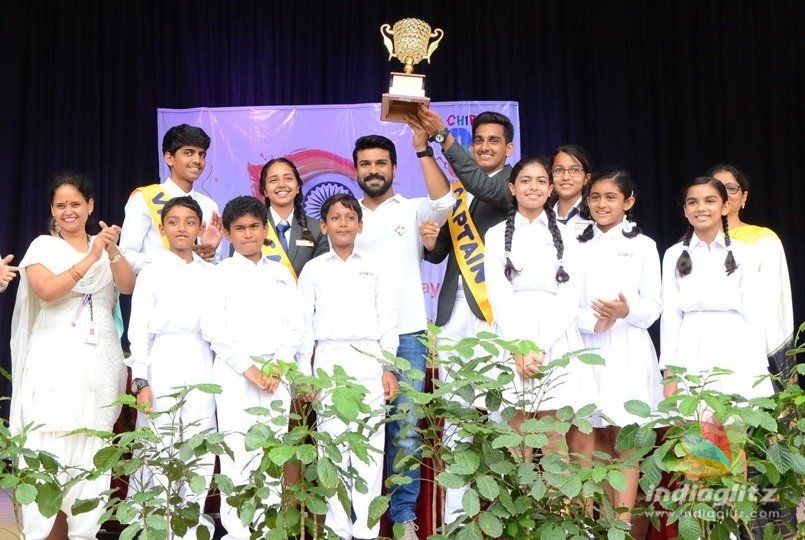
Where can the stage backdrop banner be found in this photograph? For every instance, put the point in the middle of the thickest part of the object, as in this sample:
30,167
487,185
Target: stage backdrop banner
319,140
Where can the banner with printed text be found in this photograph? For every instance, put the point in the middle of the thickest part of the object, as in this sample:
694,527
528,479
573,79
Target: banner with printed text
319,140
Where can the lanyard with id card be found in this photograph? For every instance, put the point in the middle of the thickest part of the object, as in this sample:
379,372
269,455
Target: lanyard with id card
91,334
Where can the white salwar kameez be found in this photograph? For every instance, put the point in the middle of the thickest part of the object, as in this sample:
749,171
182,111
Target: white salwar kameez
534,306
253,310
168,351
711,319
617,265
60,380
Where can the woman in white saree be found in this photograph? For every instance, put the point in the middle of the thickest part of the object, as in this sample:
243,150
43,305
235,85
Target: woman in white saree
65,350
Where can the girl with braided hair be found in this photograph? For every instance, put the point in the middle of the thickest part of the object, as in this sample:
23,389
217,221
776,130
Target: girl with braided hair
534,294
620,301
281,186
712,297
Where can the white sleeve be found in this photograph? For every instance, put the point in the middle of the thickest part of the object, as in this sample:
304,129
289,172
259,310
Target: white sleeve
779,316
136,224
671,320
215,325
436,210
292,346
143,301
307,294
645,309
386,302
500,290
585,316
568,297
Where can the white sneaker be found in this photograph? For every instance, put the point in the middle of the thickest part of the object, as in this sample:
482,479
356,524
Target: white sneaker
409,531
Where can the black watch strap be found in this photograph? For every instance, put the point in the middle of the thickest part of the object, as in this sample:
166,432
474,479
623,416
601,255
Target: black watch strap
427,152
138,384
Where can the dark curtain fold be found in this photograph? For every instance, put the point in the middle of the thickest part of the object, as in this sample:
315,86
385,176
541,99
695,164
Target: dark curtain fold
665,88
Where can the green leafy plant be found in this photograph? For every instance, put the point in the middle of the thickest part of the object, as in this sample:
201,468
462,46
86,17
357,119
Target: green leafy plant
158,509
509,495
713,442
304,504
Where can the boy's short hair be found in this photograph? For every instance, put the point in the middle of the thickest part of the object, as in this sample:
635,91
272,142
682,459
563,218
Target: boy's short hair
184,135
245,205
491,117
347,199
187,201
374,141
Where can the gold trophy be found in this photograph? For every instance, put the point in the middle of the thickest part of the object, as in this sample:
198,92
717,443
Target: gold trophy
410,46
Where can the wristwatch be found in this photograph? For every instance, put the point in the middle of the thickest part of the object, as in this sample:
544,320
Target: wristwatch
137,385
427,152
441,136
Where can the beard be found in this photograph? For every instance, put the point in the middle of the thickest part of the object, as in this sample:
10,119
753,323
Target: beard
375,191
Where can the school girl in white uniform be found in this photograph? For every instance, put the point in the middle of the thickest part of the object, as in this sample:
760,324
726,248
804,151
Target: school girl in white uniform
534,294
712,299
621,299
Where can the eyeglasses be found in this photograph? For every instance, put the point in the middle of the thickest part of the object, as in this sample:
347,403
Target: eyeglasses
573,171
732,189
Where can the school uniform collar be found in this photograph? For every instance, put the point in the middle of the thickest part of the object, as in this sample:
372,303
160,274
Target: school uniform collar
276,219
243,261
573,210
719,241
175,191
615,232
394,199
521,221
173,258
356,254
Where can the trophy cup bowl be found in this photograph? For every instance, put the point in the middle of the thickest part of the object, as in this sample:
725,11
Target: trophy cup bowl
408,41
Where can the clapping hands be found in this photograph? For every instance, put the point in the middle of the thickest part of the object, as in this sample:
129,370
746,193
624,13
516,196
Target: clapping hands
608,312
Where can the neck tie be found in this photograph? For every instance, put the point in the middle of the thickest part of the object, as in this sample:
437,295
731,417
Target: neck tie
282,228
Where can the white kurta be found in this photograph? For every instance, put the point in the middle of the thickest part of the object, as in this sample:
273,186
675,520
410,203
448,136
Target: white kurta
140,238
616,265
253,310
535,307
712,319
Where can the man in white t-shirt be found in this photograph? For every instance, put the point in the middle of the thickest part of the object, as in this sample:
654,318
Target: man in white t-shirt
184,148
391,231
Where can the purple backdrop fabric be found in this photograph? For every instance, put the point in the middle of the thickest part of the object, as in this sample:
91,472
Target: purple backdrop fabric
319,140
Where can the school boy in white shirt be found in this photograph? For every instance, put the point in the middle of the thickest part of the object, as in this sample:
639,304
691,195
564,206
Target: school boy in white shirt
184,149
350,310
166,344
244,285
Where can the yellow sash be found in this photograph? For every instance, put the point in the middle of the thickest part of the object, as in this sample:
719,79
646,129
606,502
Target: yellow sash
272,249
468,248
155,198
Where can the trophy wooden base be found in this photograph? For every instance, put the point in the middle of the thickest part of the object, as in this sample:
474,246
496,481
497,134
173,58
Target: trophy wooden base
395,107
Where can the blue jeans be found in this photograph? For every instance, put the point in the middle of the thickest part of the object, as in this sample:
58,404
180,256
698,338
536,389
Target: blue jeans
404,498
